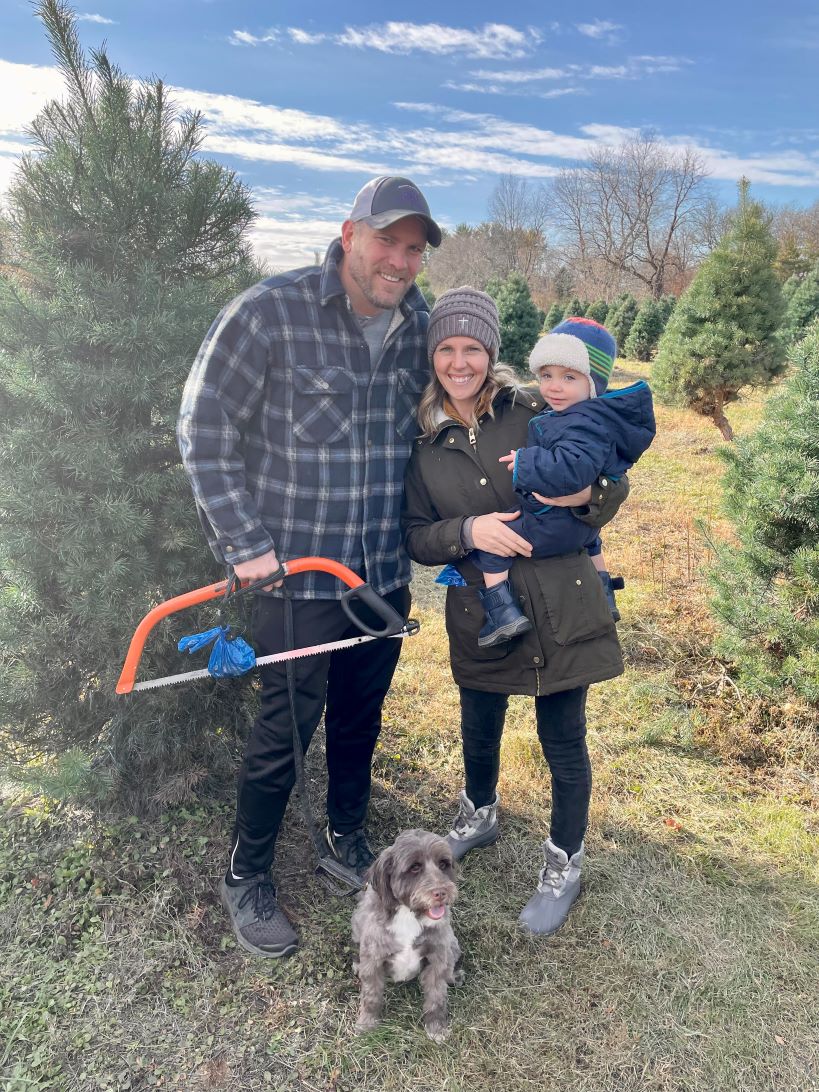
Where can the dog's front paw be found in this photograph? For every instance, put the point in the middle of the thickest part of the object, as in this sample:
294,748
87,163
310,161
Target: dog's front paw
459,977
366,1023
437,1030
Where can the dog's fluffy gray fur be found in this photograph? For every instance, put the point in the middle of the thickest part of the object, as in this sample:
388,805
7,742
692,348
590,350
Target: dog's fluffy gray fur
402,927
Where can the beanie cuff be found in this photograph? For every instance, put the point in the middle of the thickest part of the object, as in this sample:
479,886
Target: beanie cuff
562,351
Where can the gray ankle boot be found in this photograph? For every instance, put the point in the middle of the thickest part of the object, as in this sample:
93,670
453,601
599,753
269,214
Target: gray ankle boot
474,827
558,887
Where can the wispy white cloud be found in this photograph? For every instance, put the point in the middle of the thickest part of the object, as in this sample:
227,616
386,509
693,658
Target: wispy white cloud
304,37
506,89
270,200
491,41
600,29
243,38
522,75
86,17
633,68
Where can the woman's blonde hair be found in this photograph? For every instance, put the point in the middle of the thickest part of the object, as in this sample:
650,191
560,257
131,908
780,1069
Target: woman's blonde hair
431,405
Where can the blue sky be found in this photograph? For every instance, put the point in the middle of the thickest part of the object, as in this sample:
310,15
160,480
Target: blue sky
307,103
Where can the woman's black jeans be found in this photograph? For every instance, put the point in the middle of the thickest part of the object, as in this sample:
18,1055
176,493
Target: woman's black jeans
561,728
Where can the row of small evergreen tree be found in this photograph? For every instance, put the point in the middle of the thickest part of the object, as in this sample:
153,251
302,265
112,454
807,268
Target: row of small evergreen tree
635,326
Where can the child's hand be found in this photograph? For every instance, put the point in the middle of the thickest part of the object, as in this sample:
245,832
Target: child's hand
509,460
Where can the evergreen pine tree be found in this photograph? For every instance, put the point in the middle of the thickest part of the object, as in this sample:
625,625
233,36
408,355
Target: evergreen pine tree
127,245
598,311
575,308
767,586
667,305
520,321
790,286
621,319
553,316
645,331
722,335
802,307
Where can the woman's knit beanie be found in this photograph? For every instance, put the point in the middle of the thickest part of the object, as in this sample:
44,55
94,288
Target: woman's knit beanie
464,312
581,344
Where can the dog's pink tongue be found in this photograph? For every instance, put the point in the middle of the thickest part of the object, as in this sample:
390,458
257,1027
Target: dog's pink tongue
436,912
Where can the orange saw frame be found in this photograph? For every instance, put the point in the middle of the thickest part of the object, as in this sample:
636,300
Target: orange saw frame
358,589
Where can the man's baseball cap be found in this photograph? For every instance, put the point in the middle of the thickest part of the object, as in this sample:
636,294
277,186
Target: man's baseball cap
387,199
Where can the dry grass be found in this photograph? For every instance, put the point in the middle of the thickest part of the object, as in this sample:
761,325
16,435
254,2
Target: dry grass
690,965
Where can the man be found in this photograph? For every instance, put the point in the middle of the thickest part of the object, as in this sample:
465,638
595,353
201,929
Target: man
297,421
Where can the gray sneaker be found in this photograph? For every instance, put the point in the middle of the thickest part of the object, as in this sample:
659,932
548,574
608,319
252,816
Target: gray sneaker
474,827
558,887
260,926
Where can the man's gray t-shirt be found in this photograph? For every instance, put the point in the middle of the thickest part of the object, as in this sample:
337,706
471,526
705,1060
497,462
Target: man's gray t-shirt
374,328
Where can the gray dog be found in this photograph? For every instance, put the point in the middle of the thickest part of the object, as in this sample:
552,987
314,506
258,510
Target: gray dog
402,928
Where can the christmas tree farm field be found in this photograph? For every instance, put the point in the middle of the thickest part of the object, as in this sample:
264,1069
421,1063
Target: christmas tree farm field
689,964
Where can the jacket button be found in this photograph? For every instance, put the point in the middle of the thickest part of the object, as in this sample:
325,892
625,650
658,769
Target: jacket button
578,582
483,481
604,482
536,659
534,405
228,549
452,439
453,549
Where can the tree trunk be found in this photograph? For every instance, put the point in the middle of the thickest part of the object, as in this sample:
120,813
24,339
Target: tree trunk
719,418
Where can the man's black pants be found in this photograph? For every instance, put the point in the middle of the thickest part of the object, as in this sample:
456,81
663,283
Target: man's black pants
349,686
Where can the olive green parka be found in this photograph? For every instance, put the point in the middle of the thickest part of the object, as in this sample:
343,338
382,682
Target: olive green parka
455,474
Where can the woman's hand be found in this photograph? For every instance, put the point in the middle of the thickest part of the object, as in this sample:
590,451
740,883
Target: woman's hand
509,460
574,500
490,533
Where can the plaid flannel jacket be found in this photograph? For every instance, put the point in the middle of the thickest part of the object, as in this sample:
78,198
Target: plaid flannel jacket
292,441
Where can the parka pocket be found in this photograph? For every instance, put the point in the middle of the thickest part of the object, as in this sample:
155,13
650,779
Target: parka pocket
464,618
573,598
322,404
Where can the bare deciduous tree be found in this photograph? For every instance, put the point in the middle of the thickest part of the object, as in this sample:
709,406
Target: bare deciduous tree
518,213
632,207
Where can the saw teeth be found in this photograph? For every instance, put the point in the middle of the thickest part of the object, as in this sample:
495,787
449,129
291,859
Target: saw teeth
275,657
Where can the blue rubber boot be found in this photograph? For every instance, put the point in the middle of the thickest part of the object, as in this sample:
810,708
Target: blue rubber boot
610,585
504,618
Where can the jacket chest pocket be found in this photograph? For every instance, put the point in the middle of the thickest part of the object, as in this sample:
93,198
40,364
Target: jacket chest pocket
322,405
410,388
573,597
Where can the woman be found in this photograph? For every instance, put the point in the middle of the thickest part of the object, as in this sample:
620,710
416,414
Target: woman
458,497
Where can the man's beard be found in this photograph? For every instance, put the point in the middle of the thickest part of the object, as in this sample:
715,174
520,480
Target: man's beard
367,285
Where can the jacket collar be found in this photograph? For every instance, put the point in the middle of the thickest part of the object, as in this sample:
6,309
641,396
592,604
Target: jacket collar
531,399
331,286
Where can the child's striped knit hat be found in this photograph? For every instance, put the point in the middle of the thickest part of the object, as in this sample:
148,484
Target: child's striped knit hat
579,343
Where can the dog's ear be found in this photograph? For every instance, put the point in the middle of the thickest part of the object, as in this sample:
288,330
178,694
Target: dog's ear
380,880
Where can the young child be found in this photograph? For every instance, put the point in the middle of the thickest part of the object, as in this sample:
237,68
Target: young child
587,432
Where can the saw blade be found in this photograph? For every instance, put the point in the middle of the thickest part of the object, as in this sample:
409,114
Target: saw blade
276,657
